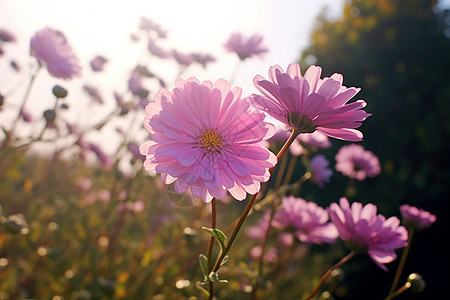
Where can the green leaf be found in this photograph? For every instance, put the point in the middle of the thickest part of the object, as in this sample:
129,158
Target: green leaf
204,264
199,285
218,235
214,277
224,261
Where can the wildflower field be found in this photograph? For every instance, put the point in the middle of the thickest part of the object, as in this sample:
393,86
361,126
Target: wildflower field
328,180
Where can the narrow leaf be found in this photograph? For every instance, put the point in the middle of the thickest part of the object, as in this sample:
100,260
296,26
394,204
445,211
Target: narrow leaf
218,235
204,264
214,277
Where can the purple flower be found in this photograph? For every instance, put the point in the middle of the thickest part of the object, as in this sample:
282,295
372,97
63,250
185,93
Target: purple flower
51,48
207,139
308,221
106,161
136,85
203,59
356,162
149,25
415,217
156,50
6,36
182,58
245,48
308,103
134,150
93,93
365,231
320,173
98,62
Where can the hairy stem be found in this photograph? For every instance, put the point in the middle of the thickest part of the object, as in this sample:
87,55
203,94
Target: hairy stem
211,245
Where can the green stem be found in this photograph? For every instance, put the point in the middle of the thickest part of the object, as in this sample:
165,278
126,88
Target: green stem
263,246
402,262
22,107
399,291
248,207
211,245
328,273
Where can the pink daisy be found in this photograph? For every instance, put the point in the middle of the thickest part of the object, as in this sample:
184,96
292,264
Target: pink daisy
207,139
365,231
308,103
416,218
320,172
356,162
308,220
245,48
51,48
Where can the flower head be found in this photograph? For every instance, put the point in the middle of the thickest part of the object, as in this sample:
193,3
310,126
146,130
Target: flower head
97,63
415,217
51,48
320,172
245,48
183,59
365,231
207,139
308,103
308,220
6,36
356,162
315,139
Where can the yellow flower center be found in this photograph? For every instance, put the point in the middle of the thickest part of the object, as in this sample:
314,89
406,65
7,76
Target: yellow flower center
211,140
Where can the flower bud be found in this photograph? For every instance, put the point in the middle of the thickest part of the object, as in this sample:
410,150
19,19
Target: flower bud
49,115
417,283
59,91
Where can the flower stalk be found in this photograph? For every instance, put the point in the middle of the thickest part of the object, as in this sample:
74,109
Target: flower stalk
328,273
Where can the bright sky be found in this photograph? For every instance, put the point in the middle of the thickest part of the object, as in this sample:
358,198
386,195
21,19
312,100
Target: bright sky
103,27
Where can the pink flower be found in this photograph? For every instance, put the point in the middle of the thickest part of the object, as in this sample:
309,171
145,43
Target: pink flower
51,48
320,173
315,139
308,103
207,139
258,231
365,231
308,220
356,162
245,48
416,218
97,63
